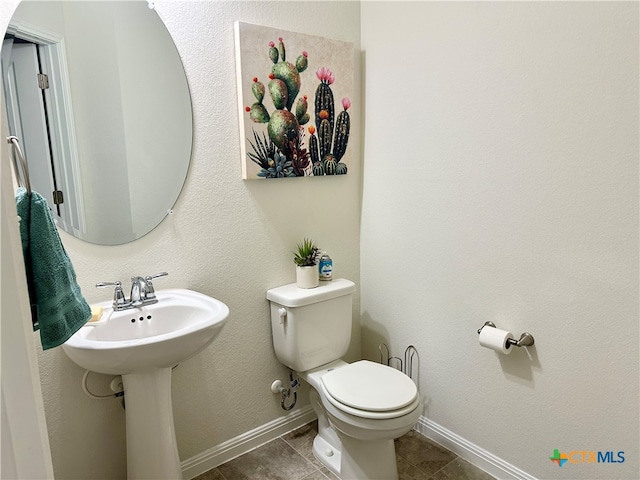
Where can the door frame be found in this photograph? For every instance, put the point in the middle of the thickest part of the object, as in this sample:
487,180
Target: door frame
63,133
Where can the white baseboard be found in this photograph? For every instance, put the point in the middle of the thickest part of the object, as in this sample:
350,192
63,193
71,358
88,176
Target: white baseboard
470,452
252,439
245,442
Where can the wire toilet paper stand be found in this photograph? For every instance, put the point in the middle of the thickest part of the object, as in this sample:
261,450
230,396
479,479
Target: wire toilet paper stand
405,365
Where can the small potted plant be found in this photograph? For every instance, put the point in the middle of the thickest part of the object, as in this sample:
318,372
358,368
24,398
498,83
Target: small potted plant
306,260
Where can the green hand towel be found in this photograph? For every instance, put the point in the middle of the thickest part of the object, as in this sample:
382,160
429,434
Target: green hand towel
58,308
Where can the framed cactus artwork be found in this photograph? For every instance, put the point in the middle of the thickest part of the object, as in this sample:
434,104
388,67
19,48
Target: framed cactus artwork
294,95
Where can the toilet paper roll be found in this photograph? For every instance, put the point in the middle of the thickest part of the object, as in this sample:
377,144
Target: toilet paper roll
496,339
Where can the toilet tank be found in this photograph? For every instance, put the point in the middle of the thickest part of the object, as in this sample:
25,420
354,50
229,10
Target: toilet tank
311,327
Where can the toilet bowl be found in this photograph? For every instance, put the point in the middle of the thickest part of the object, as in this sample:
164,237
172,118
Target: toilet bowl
362,406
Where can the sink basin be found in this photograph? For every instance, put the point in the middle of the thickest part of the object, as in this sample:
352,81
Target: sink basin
147,338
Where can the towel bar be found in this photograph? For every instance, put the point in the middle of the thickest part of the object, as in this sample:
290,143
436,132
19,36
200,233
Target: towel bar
24,181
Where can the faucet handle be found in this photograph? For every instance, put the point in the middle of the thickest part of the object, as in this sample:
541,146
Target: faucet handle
155,275
118,295
108,284
151,293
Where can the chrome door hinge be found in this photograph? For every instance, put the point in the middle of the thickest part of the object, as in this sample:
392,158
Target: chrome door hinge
43,81
58,197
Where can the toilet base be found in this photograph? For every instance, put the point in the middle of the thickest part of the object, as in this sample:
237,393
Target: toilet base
327,454
326,444
350,458
375,460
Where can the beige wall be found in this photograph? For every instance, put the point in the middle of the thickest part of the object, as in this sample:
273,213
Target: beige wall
501,183
228,238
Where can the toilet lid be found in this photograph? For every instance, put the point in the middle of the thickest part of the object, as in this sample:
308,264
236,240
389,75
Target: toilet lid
370,386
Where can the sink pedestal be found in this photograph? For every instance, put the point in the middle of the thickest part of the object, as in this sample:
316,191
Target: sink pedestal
152,451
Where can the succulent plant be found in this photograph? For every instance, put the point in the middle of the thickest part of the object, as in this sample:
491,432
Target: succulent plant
320,147
313,146
263,150
306,254
343,125
298,155
284,86
279,167
318,168
330,164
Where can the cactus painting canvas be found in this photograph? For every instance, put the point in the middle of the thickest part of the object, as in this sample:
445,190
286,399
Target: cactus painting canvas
295,93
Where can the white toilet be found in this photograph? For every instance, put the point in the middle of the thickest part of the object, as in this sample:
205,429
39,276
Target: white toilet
363,406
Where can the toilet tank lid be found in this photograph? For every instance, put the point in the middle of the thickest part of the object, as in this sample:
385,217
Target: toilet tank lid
292,296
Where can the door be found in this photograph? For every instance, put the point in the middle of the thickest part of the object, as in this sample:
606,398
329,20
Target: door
27,118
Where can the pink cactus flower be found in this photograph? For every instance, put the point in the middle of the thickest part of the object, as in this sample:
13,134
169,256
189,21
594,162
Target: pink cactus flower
346,103
280,39
304,53
271,44
325,75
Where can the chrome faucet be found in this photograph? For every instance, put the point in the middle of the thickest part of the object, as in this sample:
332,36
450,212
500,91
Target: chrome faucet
138,291
142,292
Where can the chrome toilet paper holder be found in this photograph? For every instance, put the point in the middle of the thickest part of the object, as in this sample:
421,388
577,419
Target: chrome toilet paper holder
526,339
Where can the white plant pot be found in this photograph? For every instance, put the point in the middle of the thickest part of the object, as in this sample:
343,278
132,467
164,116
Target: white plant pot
307,277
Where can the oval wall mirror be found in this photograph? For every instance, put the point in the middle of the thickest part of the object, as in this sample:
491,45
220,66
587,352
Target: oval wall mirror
97,95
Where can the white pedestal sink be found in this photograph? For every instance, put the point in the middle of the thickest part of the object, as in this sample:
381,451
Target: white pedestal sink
143,344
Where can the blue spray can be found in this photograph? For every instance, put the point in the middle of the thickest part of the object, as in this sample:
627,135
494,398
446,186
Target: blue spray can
325,267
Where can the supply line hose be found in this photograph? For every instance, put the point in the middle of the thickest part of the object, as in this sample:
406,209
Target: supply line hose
286,393
85,388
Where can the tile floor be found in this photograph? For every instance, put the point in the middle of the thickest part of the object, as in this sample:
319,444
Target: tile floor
290,457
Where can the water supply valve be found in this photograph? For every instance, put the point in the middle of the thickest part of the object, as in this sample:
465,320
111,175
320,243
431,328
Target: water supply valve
276,387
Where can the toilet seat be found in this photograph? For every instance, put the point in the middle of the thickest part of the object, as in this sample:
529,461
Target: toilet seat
370,390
